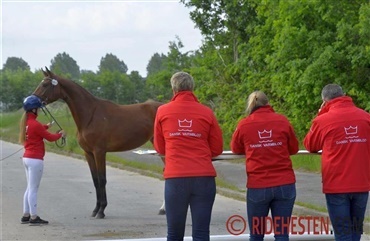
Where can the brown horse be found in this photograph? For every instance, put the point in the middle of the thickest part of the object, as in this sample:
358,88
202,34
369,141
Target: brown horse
102,126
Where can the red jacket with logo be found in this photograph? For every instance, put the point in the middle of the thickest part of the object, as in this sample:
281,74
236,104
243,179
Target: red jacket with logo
267,139
342,132
35,135
188,135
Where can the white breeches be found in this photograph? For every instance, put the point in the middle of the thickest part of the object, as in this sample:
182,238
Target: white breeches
34,169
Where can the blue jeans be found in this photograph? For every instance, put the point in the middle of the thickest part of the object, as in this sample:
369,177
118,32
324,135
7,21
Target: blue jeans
347,212
280,200
180,193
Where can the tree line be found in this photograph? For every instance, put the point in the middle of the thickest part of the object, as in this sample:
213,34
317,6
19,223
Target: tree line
288,49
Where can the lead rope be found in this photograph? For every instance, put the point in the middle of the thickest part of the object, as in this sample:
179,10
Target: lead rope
2,159
63,139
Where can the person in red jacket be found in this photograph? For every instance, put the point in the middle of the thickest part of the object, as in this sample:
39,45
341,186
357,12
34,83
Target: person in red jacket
188,135
267,139
342,131
32,135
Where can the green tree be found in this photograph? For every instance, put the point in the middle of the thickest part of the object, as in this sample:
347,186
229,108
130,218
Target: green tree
116,87
111,63
156,64
138,84
288,49
89,80
300,46
158,86
175,59
66,66
15,64
15,86
224,25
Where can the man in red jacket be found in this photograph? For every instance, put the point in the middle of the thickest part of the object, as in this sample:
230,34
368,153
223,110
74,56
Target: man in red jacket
342,132
188,135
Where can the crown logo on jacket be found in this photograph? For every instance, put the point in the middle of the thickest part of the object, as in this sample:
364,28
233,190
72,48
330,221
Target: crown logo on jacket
265,134
351,130
185,123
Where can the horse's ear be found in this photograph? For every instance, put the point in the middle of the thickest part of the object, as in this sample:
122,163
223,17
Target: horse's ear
48,73
45,74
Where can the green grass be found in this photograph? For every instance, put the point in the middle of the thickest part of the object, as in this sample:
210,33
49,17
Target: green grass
311,206
310,163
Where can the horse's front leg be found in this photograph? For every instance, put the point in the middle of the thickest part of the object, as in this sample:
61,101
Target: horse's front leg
102,180
94,174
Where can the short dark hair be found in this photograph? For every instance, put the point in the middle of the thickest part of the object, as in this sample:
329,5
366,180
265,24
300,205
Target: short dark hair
331,91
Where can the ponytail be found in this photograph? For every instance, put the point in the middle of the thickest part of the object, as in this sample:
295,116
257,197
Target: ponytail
255,100
22,128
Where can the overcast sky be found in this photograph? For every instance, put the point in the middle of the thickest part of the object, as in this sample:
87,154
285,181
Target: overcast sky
37,31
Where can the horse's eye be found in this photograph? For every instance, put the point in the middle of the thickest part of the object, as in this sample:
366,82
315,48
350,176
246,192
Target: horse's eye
44,85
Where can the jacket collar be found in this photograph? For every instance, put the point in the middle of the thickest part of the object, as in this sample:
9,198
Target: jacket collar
343,101
265,108
31,115
184,96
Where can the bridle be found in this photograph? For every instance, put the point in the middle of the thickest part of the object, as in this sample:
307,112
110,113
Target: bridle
48,89
44,109
63,139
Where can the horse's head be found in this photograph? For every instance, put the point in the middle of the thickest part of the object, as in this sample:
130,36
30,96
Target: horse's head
49,90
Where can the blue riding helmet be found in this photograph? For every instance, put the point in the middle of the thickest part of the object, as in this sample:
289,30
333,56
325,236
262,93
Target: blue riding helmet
32,102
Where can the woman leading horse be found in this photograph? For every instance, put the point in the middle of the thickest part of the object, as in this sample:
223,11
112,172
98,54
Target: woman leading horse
102,126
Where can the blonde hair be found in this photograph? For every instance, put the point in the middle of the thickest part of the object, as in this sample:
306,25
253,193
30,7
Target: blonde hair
22,128
256,99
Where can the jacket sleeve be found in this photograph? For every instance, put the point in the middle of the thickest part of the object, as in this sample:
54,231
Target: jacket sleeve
237,144
293,143
312,142
47,135
159,142
215,139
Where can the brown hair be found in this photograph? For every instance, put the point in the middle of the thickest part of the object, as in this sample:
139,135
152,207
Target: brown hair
256,99
22,128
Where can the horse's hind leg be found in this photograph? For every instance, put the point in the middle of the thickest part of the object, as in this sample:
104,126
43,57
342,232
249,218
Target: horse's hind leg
93,169
162,210
102,179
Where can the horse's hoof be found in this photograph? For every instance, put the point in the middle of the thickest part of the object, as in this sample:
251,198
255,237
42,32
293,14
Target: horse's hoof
93,214
100,215
162,212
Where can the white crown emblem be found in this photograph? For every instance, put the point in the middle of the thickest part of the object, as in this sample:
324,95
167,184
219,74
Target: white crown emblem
351,130
265,134
185,123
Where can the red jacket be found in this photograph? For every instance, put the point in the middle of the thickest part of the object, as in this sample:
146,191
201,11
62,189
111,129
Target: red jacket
35,135
342,132
267,139
188,135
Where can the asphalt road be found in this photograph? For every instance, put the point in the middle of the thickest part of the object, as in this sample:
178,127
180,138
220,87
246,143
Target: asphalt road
67,198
